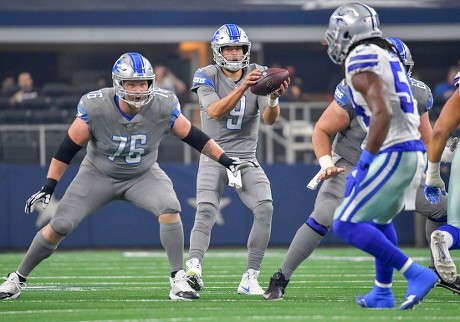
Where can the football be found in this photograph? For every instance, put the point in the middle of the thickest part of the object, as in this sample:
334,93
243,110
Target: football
270,81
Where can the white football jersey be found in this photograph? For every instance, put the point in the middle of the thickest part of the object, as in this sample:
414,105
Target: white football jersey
403,133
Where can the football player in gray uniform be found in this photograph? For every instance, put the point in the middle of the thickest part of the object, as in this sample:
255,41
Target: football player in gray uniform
339,119
122,127
447,237
230,114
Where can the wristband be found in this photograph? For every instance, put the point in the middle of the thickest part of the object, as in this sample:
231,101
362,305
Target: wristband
225,160
49,185
366,157
433,168
273,102
325,162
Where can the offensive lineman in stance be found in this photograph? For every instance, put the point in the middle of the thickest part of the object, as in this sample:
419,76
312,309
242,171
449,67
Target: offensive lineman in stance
340,118
230,114
123,127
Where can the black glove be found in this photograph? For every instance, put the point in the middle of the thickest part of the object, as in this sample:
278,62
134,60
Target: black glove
43,195
240,165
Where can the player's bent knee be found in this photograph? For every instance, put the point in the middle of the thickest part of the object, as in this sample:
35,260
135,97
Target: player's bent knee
264,211
62,226
206,214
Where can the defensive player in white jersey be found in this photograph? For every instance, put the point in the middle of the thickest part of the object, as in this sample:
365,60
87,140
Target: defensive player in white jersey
122,127
392,159
339,120
230,114
446,237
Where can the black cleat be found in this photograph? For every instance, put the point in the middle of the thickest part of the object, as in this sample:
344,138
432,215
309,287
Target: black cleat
454,287
276,287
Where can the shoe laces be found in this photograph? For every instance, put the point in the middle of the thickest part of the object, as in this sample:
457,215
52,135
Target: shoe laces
18,284
278,280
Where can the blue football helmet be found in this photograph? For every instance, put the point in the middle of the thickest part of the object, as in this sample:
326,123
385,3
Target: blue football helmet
349,24
403,52
230,35
133,66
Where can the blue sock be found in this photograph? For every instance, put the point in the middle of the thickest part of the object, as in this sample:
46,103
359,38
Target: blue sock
371,240
383,272
455,232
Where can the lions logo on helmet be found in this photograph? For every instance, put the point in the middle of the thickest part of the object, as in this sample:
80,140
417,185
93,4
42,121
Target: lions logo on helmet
133,66
349,24
403,52
230,35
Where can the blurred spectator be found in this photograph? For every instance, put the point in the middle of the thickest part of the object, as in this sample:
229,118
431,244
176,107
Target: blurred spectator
442,91
101,82
8,86
294,92
26,90
164,78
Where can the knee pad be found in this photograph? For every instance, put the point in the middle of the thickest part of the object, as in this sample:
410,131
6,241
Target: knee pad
62,225
206,214
264,212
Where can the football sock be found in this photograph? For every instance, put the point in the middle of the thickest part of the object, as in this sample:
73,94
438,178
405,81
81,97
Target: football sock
384,272
172,240
259,235
371,240
304,243
39,250
452,241
430,226
201,232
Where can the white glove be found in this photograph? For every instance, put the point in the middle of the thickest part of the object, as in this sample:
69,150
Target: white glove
448,153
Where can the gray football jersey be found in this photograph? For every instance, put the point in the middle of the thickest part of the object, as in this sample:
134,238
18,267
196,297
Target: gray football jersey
238,131
120,147
347,143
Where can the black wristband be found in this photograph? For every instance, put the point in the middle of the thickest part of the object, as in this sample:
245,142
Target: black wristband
225,160
49,185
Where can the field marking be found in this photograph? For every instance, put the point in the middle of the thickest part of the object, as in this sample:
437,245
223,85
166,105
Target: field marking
244,254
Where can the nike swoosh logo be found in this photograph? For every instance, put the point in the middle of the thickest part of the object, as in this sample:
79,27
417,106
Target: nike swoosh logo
410,299
246,289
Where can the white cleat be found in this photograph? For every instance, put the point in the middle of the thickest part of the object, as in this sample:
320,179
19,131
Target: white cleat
250,283
444,264
11,288
180,290
193,271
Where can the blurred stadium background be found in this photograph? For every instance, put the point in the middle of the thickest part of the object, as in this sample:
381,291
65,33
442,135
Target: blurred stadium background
67,46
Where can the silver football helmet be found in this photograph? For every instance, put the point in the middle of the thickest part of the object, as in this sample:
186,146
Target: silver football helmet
403,52
349,24
230,35
133,66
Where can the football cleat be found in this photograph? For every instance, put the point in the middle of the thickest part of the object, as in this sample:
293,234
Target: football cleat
180,289
11,288
444,264
250,284
454,287
275,291
418,286
193,271
378,298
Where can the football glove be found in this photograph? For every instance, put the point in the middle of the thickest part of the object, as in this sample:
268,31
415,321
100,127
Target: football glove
433,186
238,165
448,153
357,175
43,195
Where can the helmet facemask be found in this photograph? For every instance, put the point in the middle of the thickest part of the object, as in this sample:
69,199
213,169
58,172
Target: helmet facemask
133,67
230,35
